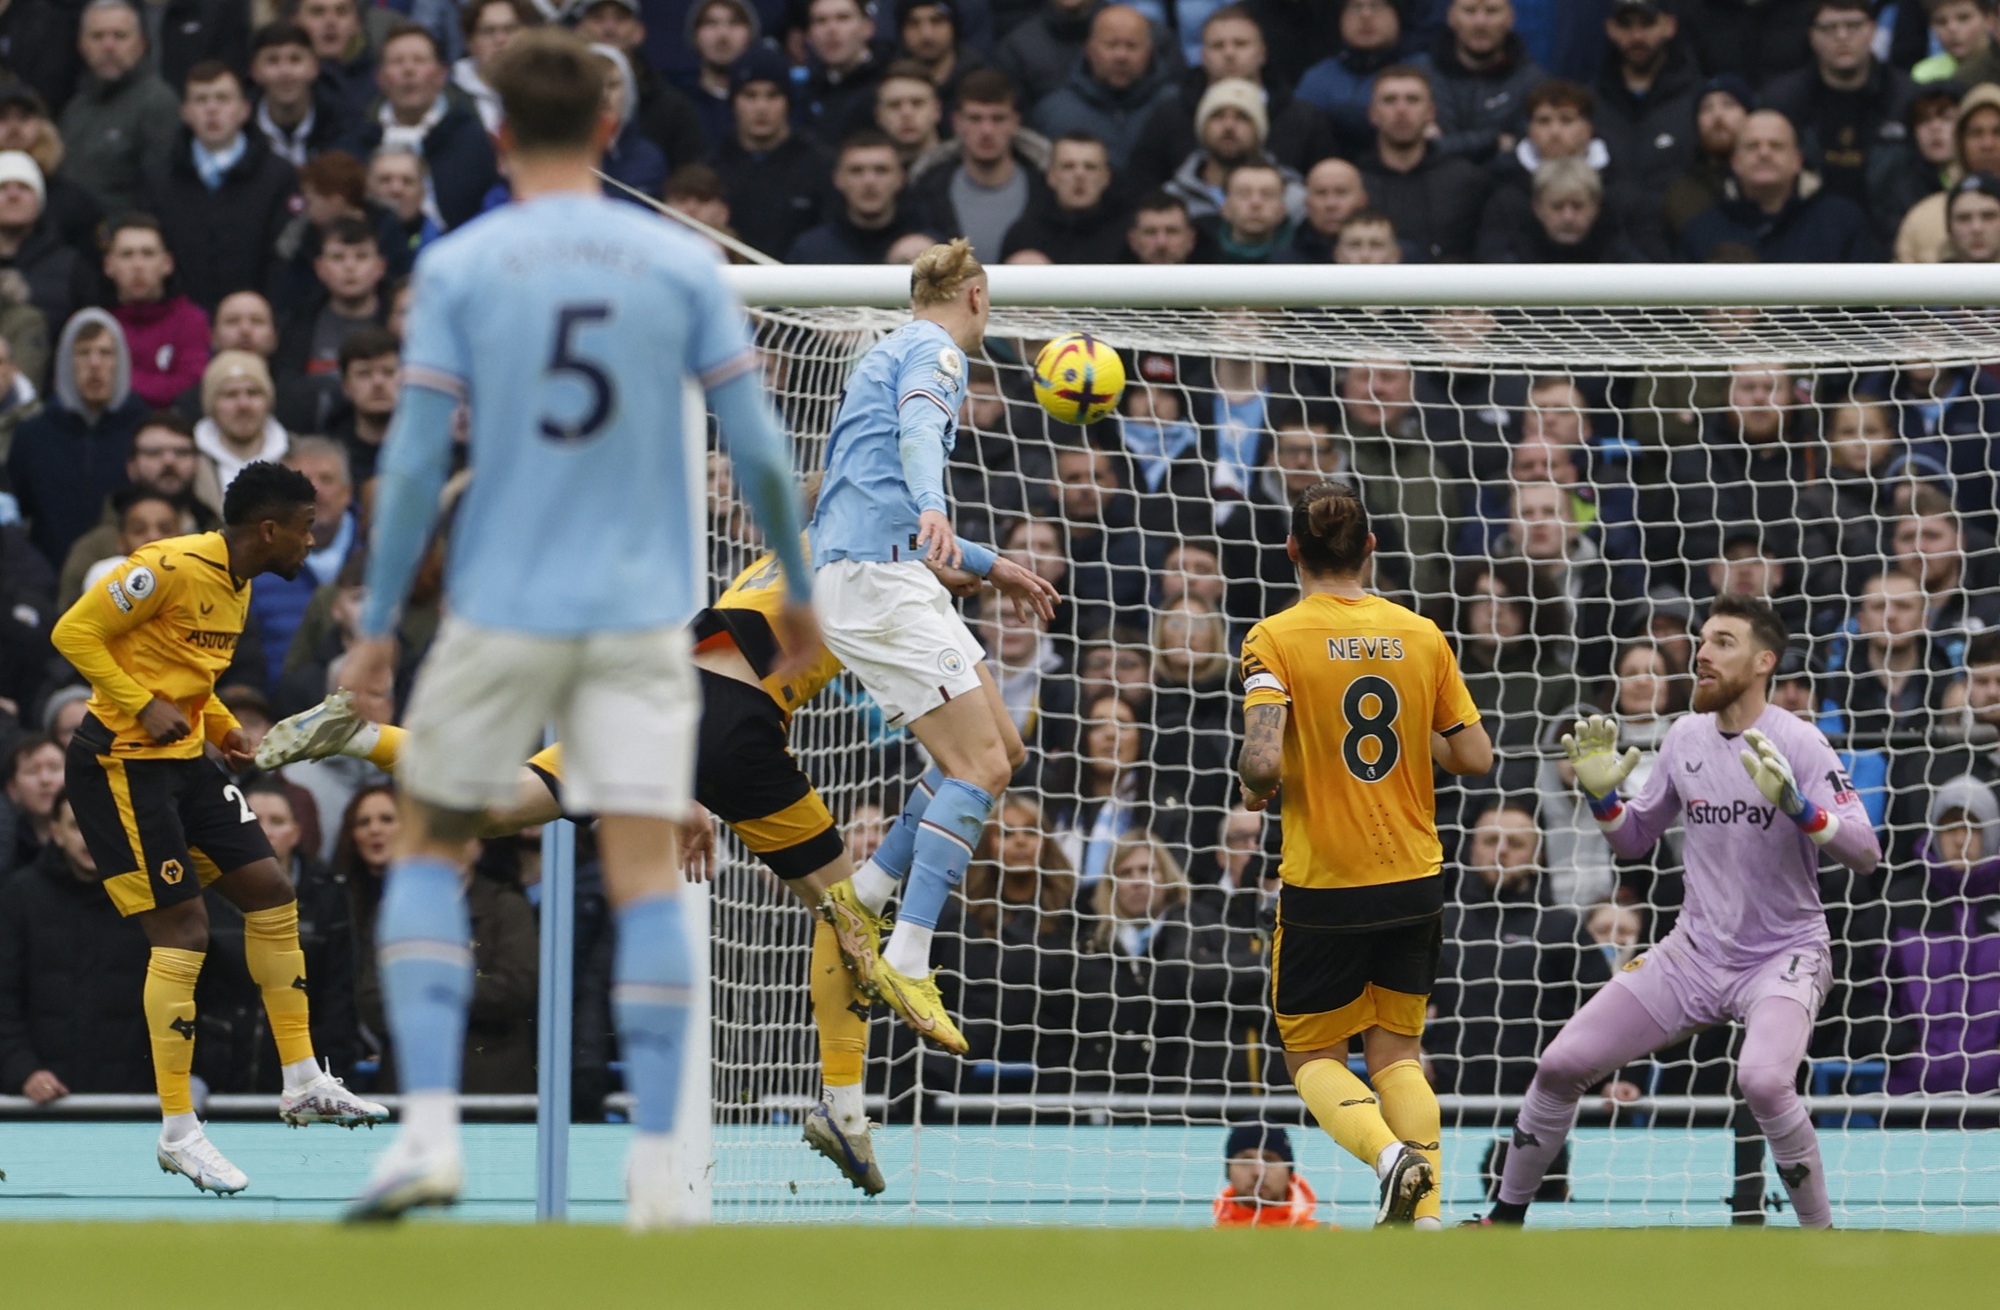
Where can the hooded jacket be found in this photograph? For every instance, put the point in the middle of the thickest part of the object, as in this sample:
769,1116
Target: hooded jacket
1475,106
1115,117
631,157
65,462
1924,237
1944,969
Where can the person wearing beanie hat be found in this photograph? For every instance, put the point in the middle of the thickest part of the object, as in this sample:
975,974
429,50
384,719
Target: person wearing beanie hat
1719,110
238,430
1972,219
166,332
775,180
32,243
1232,122
720,32
631,159
1264,1189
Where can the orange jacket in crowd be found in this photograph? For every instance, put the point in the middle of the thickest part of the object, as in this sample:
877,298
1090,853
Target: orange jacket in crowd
1296,1211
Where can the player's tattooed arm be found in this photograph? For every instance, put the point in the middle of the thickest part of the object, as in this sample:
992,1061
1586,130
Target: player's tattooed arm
1257,768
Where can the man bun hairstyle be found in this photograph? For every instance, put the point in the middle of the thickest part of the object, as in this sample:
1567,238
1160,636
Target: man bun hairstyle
264,490
940,274
551,90
1766,628
1331,526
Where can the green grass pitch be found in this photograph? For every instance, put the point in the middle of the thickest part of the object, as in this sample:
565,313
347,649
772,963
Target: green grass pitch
819,1267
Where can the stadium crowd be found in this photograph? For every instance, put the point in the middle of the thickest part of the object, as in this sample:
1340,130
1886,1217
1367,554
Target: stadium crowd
209,210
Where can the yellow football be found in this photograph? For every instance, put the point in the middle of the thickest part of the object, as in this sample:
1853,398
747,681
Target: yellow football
1078,378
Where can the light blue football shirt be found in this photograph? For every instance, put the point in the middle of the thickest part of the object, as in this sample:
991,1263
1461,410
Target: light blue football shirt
866,510
569,325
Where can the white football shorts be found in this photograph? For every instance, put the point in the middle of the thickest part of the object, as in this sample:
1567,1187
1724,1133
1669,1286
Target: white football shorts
894,627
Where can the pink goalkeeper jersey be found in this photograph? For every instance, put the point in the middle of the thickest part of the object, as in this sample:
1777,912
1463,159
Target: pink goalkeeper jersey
1751,886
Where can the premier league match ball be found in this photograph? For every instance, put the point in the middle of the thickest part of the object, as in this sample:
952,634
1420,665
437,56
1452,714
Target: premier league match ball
1078,378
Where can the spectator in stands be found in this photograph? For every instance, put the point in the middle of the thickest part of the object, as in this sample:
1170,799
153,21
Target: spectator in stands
346,59
1972,220
1016,942
1397,464
58,279
1343,84
1960,588
1852,113
663,115
1934,134
1265,1190
1775,212
1296,135
38,48
928,36
370,366
19,398
839,94
26,125
630,158
1192,710
123,116
397,181
1109,798
68,458
142,516
34,782
279,607
1943,959
1160,232
1367,237
1074,221
1755,455
1646,98
164,463
1434,198
167,335
978,184
775,181
1569,223
1515,967
907,109
297,116
719,32
1963,33
1114,90
361,846
416,111
1043,48
239,427
347,297
221,195
334,187
1886,668
1861,444
1482,75
1718,117
489,27
872,217
1569,574
1334,194
1512,654
1231,126
69,968
1560,126
1253,225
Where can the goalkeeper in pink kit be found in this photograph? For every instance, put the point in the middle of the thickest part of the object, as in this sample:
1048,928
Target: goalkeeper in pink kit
1762,798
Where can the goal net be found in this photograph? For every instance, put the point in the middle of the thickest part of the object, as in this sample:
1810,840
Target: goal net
1564,485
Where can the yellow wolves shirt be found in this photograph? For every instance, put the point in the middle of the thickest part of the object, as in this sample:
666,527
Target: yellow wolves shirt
748,613
1367,681
164,623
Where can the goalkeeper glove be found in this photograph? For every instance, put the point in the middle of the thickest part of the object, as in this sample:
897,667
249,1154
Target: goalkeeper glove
1772,772
1593,752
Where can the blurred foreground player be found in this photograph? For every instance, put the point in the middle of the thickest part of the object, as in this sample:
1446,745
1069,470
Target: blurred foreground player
163,822
1762,797
567,325
1348,699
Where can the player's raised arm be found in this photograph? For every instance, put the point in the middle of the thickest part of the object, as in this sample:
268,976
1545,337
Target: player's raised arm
1592,747
1825,806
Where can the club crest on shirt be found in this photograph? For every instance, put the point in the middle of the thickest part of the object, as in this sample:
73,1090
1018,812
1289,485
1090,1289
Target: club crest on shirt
1632,964
950,663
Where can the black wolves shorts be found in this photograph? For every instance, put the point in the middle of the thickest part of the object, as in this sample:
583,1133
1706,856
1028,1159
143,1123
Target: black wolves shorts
159,830
745,774
1329,985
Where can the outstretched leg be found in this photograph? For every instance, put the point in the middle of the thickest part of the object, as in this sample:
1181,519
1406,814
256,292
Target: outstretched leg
1775,1035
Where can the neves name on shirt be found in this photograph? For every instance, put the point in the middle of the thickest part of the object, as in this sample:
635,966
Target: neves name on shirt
1364,648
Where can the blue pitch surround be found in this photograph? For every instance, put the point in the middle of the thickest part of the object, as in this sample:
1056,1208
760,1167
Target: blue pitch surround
1943,1181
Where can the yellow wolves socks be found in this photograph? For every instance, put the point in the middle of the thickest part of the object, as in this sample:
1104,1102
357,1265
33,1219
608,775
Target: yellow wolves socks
378,743
1411,1110
1345,1108
278,966
169,1004
841,1018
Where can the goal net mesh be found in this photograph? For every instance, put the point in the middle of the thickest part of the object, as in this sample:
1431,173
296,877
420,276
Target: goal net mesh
1564,492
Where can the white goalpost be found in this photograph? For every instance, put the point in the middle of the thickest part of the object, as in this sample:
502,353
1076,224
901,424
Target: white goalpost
1564,466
